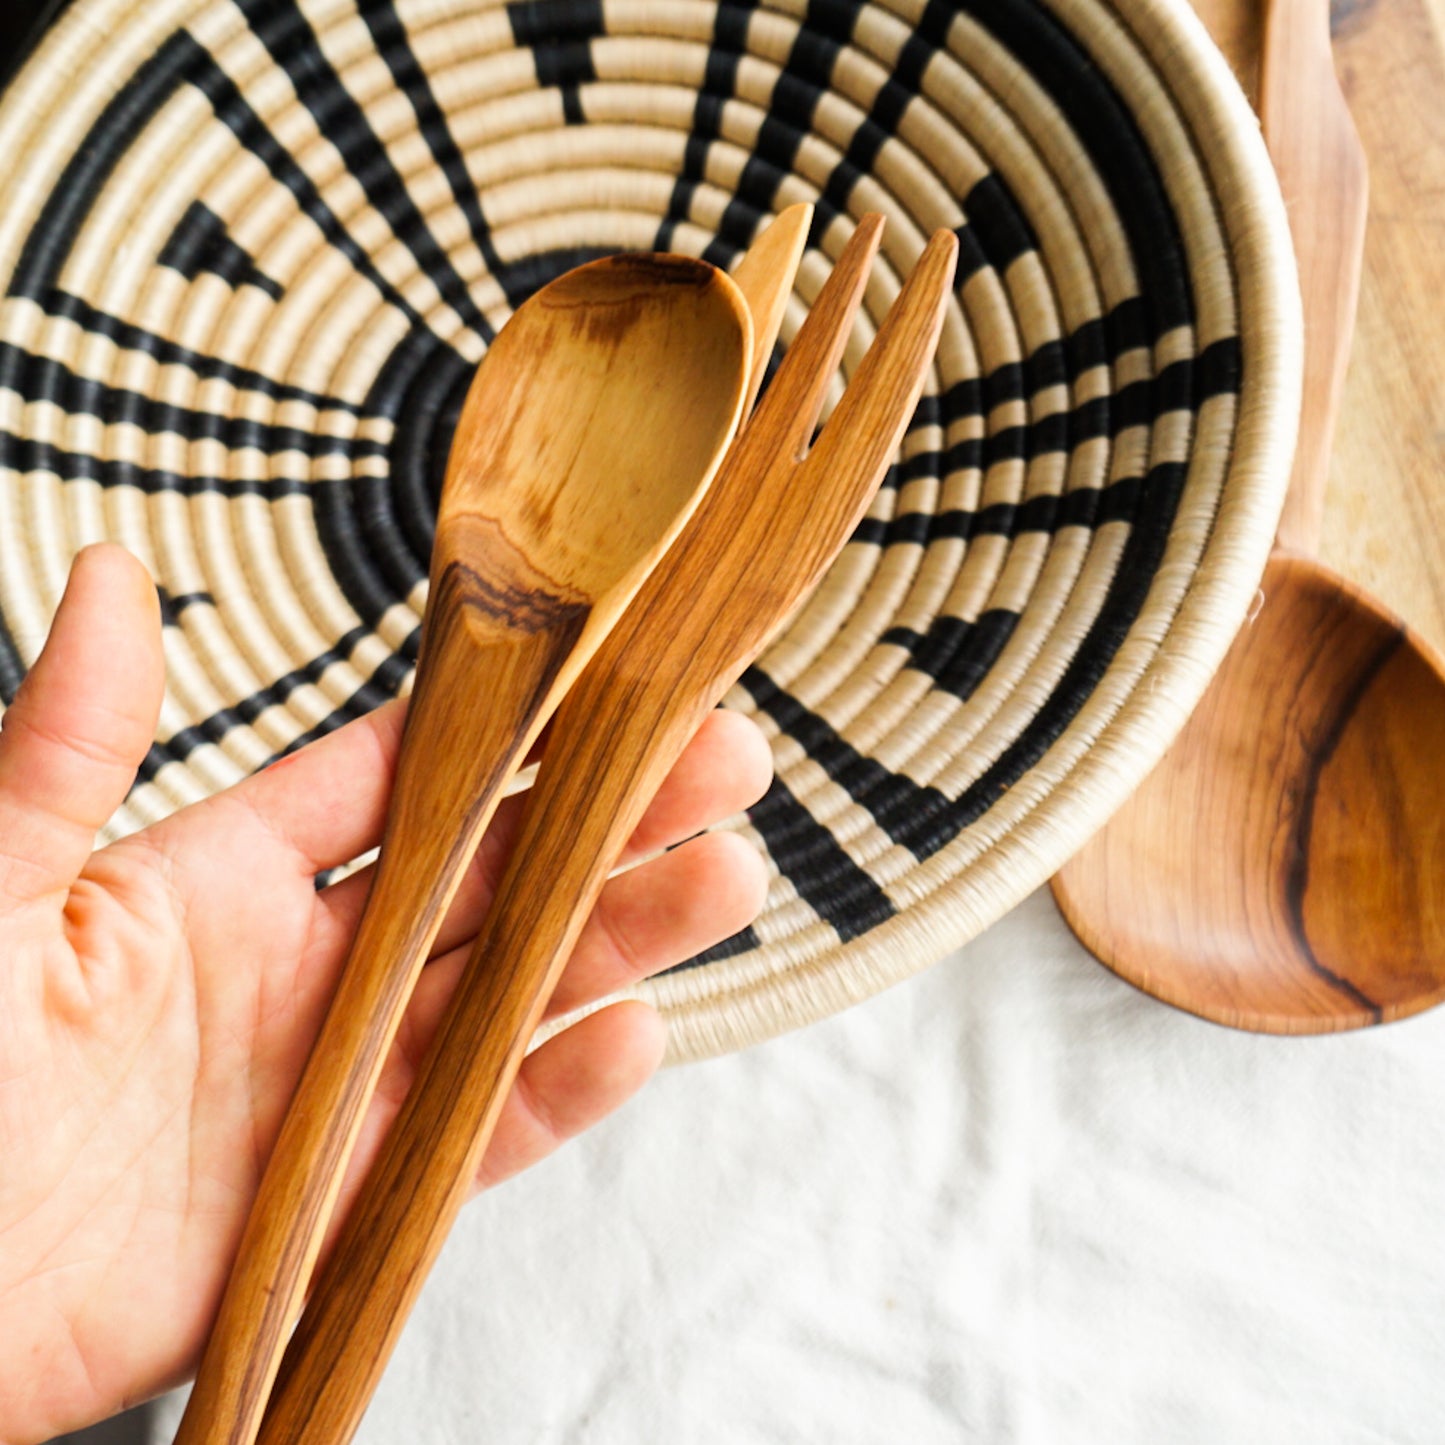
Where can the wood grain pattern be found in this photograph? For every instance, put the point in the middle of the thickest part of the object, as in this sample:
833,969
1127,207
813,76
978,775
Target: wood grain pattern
1305,905
1303,894
589,432
762,537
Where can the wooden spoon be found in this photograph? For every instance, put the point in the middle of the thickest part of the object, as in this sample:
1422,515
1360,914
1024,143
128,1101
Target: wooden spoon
1283,869
590,431
762,537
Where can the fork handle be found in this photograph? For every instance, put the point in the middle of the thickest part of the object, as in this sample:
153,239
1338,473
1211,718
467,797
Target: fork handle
594,785
459,748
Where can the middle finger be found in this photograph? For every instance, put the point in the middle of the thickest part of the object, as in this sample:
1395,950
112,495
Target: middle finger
725,768
648,919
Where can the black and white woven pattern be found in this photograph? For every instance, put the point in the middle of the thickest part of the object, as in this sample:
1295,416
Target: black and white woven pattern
253,249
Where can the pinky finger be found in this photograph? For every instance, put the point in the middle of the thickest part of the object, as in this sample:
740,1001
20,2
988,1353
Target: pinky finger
572,1082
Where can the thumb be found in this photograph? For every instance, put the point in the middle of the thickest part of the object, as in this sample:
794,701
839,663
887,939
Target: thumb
72,740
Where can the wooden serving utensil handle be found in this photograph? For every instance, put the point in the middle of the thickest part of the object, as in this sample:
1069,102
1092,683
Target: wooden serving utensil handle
1325,180
458,750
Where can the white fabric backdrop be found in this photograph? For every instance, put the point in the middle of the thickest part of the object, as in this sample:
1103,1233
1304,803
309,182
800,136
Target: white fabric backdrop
1012,1201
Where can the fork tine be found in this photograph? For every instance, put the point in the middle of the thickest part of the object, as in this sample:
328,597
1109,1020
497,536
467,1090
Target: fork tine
765,277
789,412
868,424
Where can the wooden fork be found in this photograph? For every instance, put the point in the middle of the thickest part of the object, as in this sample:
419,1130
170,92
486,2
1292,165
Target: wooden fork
773,520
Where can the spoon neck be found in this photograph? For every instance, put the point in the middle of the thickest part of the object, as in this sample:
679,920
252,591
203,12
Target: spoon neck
482,695
1301,523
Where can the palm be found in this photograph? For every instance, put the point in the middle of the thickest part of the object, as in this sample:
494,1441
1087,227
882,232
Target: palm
155,1015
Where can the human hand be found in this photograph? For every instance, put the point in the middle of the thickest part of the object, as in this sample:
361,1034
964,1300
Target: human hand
158,997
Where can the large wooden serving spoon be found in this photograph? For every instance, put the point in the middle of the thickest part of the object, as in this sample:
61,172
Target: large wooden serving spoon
1283,869
772,522
590,431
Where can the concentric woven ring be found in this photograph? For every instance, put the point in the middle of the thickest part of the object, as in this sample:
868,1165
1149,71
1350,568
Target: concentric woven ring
253,250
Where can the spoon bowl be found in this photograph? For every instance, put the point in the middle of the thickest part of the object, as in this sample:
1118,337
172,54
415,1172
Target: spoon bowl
578,453
1303,895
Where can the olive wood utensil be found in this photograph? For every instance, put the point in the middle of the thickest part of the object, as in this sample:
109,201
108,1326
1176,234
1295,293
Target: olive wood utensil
594,422
772,522
1283,869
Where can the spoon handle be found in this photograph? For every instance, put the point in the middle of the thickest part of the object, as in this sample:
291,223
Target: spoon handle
607,755
760,539
459,748
1325,180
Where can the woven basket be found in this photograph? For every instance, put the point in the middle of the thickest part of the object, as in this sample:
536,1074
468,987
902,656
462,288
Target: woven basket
252,251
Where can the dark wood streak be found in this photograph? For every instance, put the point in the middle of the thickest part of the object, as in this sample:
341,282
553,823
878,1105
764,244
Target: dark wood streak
1297,869
658,269
508,599
610,323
